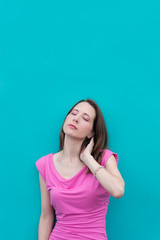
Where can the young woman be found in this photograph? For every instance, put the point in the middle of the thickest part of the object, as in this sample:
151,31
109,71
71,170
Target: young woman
77,181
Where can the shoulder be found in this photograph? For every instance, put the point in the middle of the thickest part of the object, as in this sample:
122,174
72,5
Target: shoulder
42,161
43,158
108,155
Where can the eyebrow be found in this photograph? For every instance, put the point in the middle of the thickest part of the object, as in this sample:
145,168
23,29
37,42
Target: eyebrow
78,111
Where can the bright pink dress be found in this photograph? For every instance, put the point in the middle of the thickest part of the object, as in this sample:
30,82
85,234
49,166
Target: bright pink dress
80,202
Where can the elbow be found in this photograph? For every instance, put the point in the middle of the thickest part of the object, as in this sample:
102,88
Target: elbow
119,193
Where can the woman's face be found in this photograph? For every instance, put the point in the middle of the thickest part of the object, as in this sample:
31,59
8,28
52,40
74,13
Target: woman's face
82,117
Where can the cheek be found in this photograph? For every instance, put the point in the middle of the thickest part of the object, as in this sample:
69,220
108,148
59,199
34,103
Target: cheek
67,121
86,128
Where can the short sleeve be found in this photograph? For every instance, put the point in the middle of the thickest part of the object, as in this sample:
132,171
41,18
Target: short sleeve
41,166
107,155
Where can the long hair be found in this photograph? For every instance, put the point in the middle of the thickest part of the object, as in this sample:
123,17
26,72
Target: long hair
100,134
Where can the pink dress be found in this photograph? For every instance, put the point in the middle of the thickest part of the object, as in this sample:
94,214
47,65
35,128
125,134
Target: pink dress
80,203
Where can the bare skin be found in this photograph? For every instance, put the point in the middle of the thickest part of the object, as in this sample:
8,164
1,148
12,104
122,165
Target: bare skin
82,116
67,161
66,170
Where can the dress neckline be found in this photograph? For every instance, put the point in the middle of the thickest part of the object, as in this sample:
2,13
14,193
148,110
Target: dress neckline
57,173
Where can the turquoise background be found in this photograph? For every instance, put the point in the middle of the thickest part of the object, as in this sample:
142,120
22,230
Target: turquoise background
55,53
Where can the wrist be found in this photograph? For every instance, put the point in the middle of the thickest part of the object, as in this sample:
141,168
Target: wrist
87,158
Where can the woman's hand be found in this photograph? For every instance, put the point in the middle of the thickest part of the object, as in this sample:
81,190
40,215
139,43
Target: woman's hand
87,150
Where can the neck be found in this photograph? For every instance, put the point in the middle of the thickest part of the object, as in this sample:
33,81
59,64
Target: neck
71,150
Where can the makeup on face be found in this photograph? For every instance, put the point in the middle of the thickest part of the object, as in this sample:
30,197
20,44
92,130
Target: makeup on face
87,117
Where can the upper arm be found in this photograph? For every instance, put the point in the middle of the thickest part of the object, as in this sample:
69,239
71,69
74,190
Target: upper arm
46,207
111,166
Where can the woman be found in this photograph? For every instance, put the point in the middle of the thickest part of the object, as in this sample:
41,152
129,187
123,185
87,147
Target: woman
77,181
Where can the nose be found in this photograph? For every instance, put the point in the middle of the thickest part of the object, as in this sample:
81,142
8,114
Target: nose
76,118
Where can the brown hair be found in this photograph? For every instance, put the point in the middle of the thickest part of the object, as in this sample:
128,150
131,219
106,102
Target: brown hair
100,133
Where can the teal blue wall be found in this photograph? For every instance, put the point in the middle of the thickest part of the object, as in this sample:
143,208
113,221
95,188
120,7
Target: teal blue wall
55,53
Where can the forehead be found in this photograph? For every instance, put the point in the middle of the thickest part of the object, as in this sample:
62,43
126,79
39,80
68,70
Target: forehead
85,107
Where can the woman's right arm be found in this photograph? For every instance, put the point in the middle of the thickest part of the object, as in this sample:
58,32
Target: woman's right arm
46,221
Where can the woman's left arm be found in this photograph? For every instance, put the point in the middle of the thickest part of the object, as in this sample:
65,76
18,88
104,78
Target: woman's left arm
108,176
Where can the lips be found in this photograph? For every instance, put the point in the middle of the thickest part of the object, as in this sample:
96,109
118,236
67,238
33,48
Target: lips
71,125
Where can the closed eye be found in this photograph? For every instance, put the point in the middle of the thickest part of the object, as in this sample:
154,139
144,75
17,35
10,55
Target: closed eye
83,118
